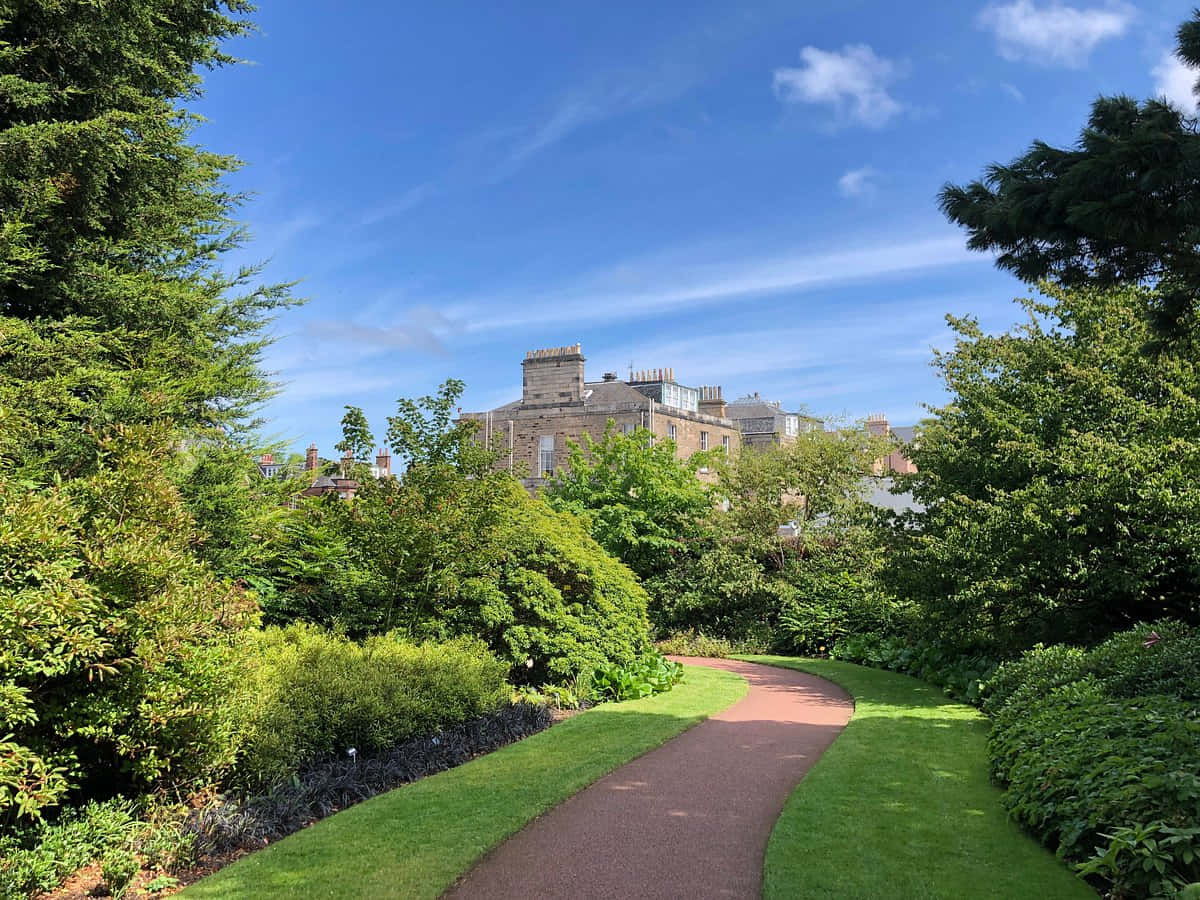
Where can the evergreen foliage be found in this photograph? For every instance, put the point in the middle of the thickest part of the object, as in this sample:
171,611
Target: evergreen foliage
1118,208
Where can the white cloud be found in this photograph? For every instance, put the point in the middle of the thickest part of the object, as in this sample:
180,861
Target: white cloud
1054,34
1013,91
857,182
853,82
1175,81
646,288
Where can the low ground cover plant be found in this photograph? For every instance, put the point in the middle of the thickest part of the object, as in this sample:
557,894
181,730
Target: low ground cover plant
651,674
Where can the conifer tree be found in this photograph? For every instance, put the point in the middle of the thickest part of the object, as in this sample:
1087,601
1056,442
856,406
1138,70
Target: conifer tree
1120,207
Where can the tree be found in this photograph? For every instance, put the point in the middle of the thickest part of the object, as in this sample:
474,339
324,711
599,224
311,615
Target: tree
112,224
1060,481
1118,208
357,441
643,505
124,345
424,434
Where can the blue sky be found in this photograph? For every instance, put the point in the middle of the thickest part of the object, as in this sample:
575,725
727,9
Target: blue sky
744,192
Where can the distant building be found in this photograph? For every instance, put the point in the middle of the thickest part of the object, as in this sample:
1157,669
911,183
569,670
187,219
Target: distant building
896,462
558,404
765,422
343,485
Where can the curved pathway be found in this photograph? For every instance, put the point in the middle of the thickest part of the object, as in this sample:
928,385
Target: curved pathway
689,819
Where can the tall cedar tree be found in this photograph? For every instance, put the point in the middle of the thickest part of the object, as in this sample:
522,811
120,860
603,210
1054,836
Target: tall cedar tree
1118,208
112,225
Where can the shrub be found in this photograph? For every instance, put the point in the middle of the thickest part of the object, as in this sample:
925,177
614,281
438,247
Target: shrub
1078,764
441,556
315,694
1152,860
1152,658
694,643
130,660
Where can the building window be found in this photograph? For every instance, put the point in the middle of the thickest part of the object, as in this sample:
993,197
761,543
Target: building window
725,441
704,440
545,455
628,428
671,432
793,425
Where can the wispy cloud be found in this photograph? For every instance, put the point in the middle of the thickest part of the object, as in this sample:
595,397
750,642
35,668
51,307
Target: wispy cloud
1176,81
858,182
422,328
1054,34
853,82
607,96
1013,91
645,288
406,201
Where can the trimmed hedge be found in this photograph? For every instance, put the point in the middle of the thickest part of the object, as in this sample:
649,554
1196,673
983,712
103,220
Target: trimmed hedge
313,695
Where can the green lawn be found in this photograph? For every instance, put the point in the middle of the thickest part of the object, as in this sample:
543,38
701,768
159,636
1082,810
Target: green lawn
901,805
416,840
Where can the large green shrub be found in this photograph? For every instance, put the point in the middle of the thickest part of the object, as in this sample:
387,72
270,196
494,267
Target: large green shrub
115,643
314,695
1078,764
1061,483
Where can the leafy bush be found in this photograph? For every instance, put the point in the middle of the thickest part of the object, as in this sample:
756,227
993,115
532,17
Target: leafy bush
456,549
131,660
651,674
1152,860
694,643
1079,764
1092,744
38,857
1152,658
831,605
962,674
314,695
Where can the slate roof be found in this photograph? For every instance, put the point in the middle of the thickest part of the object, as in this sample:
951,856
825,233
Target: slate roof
905,433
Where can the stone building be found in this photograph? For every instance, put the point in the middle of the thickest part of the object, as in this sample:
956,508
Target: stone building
764,422
558,404
895,463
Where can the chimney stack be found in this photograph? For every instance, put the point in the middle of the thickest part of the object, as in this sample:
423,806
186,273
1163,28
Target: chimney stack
311,461
712,403
267,459
878,425
553,376
383,462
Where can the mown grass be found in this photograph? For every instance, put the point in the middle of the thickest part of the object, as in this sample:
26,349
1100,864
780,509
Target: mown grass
901,806
417,840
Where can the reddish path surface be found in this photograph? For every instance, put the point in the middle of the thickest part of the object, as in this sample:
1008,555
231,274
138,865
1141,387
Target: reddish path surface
688,820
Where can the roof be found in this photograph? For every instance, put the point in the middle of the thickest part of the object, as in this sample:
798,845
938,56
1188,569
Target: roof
324,481
905,433
611,392
879,493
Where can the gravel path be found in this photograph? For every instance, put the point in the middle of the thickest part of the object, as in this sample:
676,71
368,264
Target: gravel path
688,820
